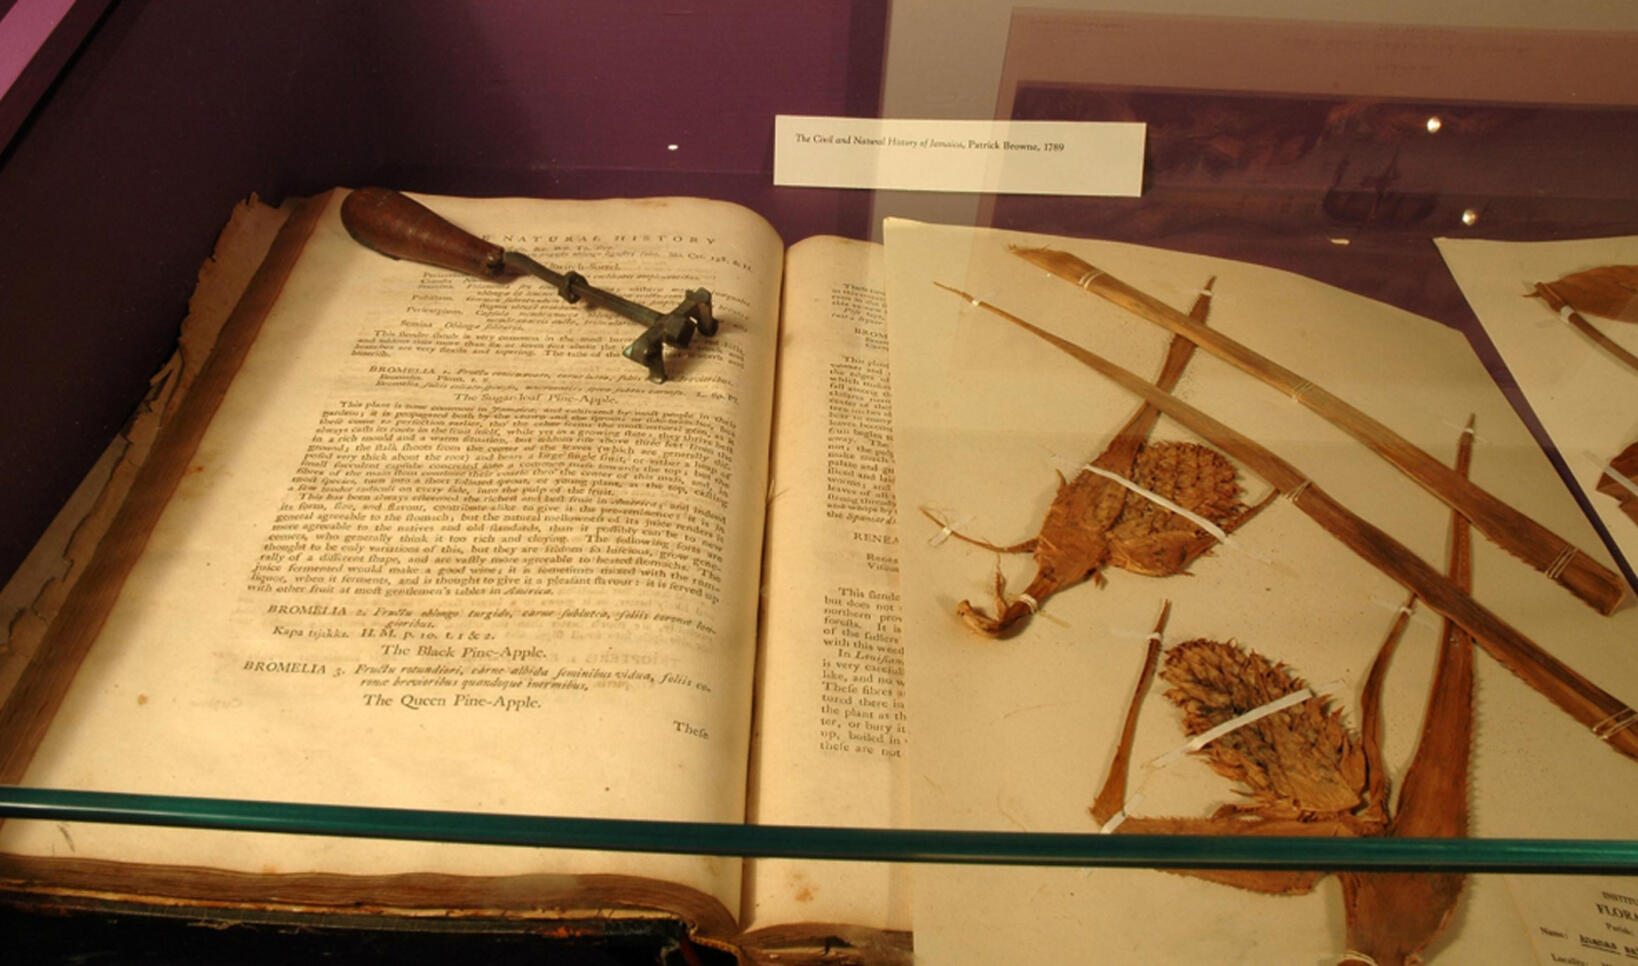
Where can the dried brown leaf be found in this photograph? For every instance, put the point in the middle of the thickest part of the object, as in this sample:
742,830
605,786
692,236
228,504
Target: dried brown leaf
1609,291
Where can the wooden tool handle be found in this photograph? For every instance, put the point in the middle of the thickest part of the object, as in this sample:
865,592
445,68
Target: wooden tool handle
394,225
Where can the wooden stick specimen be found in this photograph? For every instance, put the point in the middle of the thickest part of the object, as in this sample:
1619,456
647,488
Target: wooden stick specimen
1609,718
1610,292
1306,774
1095,520
1503,524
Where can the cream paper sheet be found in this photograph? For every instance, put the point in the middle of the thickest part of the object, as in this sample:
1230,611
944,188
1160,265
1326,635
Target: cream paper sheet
1017,734
1585,399
831,722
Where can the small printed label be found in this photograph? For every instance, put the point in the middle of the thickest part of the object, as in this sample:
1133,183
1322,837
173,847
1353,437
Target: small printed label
1000,157
1585,920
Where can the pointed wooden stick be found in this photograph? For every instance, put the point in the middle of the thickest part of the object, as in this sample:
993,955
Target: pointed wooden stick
1111,798
1580,698
1370,718
1503,524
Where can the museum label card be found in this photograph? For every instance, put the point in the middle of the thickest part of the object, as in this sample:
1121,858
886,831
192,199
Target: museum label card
1579,919
1004,157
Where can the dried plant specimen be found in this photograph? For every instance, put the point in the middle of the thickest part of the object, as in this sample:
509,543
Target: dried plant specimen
1300,761
1148,538
1504,524
1095,521
1610,292
1303,772
1624,490
1573,693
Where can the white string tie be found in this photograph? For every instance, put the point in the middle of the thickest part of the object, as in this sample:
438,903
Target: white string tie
1608,469
1156,498
1216,532
1465,429
948,531
1409,610
1615,723
1560,562
1121,816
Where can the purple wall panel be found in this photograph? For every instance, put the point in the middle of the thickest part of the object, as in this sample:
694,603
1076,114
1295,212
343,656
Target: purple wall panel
112,192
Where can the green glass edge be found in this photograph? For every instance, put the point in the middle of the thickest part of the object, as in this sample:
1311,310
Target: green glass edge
1577,856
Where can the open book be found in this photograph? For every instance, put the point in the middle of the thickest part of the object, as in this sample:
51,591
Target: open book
416,539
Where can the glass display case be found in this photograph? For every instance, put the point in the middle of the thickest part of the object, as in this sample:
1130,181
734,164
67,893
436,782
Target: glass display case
1240,569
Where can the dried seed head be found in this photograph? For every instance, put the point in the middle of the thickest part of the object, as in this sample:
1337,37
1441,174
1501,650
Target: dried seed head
1299,760
1195,477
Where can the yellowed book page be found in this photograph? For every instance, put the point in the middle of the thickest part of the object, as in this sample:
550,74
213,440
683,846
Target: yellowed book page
1018,733
444,548
831,723
1585,397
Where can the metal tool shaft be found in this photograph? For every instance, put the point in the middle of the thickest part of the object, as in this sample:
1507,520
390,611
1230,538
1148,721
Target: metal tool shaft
574,287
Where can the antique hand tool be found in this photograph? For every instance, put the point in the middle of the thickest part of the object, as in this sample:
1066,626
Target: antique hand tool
397,226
